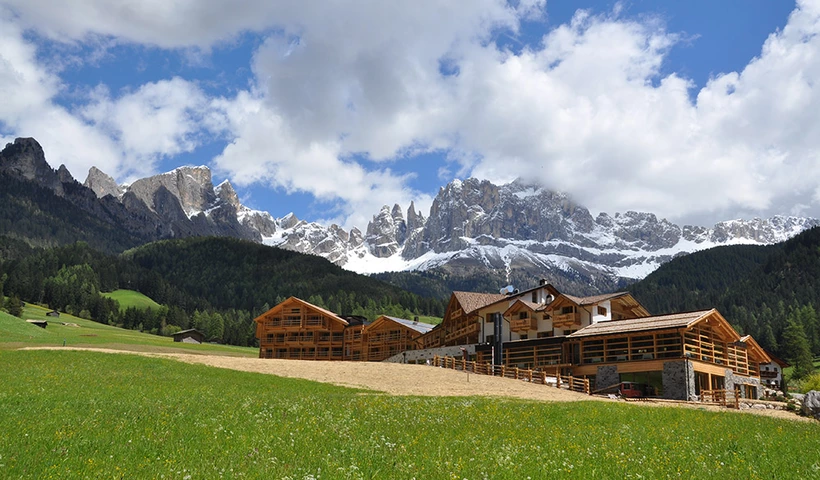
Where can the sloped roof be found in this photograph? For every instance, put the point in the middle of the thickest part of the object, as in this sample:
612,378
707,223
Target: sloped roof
659,322
519,302
471,301
417,326
190,330
327,313
753,347
595,298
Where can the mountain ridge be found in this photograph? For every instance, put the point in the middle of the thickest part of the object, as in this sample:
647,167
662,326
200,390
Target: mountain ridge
514,233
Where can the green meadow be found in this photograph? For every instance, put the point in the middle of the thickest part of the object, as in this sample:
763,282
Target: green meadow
77,332
75,414
71,414
130,298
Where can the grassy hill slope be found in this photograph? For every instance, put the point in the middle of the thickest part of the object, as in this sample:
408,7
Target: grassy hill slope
77,332
131,298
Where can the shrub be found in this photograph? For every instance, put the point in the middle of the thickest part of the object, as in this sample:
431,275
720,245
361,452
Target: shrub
812,382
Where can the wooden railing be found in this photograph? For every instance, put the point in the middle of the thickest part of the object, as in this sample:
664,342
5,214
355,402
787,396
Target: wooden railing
541,376
726,398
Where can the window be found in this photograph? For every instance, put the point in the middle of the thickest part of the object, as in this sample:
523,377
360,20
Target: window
523,337
565,310
544,334
523,315
489,338
602,311
535,296
570,332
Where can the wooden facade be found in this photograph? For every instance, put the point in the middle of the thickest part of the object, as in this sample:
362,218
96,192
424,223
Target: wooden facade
700,344
296,329
388,336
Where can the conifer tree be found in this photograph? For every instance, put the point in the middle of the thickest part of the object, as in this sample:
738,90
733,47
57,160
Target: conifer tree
796,347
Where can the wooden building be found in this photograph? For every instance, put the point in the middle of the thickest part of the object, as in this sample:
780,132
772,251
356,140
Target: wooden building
297,329
388,336
681,355
191,335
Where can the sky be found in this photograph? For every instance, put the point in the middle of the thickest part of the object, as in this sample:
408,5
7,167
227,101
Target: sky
697,111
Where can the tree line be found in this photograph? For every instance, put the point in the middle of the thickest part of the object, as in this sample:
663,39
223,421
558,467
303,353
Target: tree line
769,292
216,285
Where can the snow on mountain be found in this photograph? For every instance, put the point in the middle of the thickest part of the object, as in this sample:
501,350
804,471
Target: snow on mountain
473,226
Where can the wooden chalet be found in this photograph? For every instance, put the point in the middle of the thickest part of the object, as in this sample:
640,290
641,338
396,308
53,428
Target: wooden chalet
297,329
460,325
536,322
771,374
191,335
388,336
681,355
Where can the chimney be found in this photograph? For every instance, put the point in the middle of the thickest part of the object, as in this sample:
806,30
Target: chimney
415,320
542,282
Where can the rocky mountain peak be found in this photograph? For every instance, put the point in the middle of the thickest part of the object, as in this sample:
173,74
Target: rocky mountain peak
225,192
101,183
190,185
414,219
386,231
26,160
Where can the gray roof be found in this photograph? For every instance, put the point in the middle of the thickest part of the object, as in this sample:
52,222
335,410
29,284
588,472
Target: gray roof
417,326
658,322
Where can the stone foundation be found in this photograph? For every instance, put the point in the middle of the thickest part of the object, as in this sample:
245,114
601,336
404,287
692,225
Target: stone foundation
678,380
607,376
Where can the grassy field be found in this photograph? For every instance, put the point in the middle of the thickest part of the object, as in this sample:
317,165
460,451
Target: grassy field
77,332
130,298
79,414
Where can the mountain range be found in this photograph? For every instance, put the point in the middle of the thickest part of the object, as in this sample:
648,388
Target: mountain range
514,233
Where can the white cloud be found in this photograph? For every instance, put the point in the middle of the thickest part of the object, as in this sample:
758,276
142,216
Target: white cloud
163,118
586,110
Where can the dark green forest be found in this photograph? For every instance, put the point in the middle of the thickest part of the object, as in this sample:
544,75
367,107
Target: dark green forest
35,214
217,285
769,292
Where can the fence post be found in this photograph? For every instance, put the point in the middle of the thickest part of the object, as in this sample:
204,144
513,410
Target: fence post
516,373
586,386
543,377
558,379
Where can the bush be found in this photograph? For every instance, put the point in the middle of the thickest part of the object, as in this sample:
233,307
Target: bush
812,382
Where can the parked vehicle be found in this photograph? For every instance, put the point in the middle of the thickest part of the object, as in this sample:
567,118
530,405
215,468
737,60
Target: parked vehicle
634,390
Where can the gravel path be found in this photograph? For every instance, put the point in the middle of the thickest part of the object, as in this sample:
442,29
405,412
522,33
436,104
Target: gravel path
398,379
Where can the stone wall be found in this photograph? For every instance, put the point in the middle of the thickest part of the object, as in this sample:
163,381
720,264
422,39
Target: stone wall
606,376
416,356
731,379
678,380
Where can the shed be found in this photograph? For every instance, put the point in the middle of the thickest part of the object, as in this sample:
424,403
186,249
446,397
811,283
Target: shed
191,335
39,323
53,313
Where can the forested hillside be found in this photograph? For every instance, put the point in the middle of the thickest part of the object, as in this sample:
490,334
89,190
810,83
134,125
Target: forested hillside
35,214
217,285
771,292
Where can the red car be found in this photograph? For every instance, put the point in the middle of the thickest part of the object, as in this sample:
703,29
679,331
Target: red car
633,390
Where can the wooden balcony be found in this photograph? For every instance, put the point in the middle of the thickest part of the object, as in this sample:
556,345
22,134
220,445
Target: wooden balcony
462,332
523,325
768,374
566,320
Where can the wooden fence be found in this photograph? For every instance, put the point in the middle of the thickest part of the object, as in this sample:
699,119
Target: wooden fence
554,379
726,398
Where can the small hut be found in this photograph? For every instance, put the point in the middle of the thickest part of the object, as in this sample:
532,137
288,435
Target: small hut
191,335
